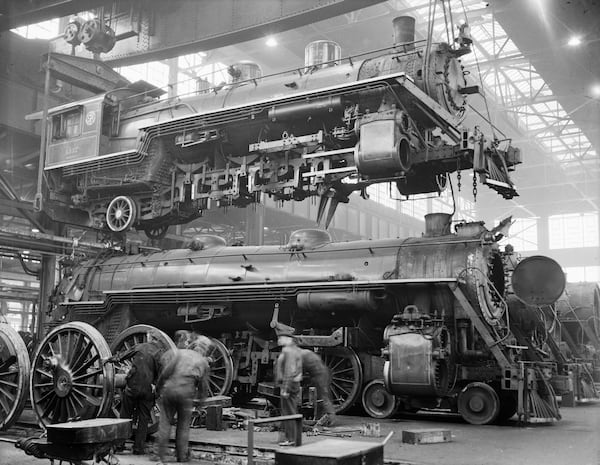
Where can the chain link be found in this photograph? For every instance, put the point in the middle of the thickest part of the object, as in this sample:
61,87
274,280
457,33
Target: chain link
474,186
458,178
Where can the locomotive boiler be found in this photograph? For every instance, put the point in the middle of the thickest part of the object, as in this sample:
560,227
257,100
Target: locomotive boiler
126,159
420,322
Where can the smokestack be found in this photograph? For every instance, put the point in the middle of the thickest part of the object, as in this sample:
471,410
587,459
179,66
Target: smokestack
404,32
437,224
322,51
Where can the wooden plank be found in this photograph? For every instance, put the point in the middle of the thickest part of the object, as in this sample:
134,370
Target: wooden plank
332,452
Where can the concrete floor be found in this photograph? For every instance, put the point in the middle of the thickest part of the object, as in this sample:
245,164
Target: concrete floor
572,441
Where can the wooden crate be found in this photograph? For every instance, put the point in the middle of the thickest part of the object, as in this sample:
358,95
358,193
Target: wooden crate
426,436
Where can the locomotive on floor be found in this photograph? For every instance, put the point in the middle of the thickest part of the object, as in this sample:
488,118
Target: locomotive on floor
435,304
127,159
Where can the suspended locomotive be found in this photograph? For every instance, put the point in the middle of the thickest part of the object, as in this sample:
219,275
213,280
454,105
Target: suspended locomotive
126,159
435,305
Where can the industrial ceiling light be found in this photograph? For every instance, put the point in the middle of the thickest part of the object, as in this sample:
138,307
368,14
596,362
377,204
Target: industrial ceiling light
271,42
595,91
574,41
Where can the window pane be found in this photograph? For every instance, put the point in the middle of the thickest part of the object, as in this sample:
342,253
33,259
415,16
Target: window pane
573,230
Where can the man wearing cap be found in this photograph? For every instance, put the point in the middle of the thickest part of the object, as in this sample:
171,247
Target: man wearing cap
137,399
288,370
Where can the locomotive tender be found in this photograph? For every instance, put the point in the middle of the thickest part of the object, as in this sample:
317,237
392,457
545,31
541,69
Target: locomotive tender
435,304
126,159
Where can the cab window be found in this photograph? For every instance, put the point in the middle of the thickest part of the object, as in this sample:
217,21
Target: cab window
66,125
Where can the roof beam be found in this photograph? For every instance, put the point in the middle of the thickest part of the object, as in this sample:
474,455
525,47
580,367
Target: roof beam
17,13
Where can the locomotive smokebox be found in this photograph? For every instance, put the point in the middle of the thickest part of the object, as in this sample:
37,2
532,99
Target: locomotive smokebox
404,32
437,224
538,280
322,54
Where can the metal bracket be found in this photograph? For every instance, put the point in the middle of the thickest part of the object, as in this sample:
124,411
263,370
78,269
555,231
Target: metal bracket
480,327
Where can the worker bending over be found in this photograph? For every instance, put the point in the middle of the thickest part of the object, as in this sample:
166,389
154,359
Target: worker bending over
177,388
318,375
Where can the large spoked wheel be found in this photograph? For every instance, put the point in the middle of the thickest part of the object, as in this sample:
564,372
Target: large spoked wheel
121,213
479,404
345,376
69,380
221,369
377,402
14,373
138,334
132,336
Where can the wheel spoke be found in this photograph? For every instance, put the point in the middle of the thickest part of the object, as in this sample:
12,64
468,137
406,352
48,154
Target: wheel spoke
90,386
50,405
7,383
45,396
81,357
99,371
87,364
4,405
44,373
91,400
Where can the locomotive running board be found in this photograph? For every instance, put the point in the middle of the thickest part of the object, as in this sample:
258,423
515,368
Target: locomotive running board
242,293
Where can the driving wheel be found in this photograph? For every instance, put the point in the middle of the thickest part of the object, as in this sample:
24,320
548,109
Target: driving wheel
221,368
14,373
69,380
345,374
132,336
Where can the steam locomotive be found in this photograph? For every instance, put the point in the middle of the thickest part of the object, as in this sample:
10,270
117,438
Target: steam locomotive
126,159
412,323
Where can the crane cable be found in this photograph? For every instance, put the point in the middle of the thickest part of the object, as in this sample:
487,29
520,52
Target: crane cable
481,91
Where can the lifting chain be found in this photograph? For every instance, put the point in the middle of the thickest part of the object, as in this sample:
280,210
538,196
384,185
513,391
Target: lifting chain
458,175
474,186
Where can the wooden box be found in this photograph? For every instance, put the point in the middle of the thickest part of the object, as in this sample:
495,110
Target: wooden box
91,431
332,452
426,436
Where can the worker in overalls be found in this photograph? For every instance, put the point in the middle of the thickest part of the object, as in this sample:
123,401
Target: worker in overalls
177,387
138,396
317,374
288,372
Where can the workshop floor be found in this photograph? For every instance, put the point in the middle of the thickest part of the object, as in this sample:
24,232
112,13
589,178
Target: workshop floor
573,441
